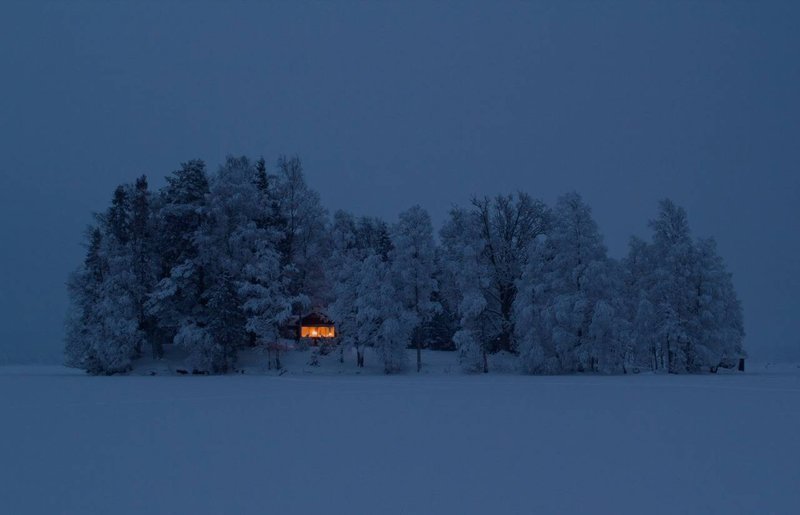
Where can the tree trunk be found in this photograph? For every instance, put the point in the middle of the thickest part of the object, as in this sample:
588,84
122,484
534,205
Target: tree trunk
158,350
670,368
485,362
507,293
419,356
155,343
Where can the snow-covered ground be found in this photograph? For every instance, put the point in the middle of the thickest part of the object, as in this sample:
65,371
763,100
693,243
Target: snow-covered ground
439,442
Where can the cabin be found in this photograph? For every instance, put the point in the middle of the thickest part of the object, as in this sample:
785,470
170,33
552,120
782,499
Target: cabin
318,327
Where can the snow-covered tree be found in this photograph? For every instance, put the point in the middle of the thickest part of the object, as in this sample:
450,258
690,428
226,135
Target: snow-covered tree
343,274
238,249
718,324
467,279
115,335
672,295
413,262
380,314
199,265
304,239
103,333
569,316
181,211
685,316
83,288
484,250
365,300
176,300
225,322
506,227
638,276
263,291
144,262
213,263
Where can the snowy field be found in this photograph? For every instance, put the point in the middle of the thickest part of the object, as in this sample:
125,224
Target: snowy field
436,443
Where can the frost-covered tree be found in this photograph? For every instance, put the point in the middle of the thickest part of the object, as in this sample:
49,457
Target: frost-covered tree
182,210
144,262
304,239
177,301
225,323
672,295
227,286
569,316
638,275
115,335
239,252
493,236
718,321
103,334
212,263
343,274
686,316
445,322
83,288
263,290
106,327
506,225
380,315
354,241
413,262
267,308
199,264
467,279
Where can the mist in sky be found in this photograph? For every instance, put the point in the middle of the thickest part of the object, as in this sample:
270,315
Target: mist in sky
391,105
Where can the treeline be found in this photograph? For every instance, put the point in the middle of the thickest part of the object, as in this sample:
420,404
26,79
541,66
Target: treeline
216,262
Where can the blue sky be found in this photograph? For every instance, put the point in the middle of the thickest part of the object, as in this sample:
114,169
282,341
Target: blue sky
390,105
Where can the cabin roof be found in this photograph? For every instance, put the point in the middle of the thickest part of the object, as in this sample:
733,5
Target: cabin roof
315,318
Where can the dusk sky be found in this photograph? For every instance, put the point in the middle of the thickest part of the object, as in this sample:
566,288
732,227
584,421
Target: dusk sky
391,105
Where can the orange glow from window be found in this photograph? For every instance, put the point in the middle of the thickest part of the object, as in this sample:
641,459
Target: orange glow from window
317,332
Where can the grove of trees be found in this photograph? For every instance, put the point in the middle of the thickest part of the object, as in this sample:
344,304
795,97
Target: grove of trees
215,262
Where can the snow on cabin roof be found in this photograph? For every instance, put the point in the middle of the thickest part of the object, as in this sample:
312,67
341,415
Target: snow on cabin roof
316,318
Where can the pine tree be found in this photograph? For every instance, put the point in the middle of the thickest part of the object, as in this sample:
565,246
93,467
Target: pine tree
83,288
226,321
177,301
144,261
118,219
182,212
239,254
103,334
